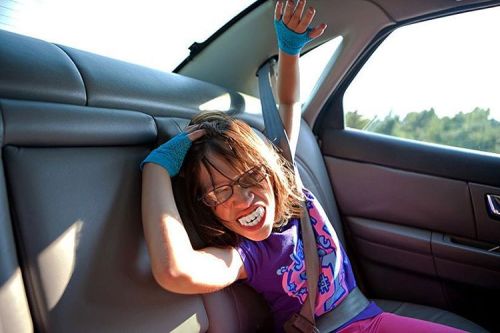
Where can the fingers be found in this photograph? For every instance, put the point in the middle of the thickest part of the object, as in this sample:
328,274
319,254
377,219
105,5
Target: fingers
295,20
196,134
317,31
193,132
278,10
306,20
191,128
288,11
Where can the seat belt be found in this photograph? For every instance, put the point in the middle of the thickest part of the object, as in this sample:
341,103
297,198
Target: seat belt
355,301
275,132
274,129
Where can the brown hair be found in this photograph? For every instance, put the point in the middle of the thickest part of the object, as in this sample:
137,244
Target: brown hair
234,141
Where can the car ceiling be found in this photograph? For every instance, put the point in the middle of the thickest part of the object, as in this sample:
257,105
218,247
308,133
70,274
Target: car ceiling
231,58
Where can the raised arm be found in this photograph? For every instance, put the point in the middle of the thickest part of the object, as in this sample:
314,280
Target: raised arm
175,264
293,32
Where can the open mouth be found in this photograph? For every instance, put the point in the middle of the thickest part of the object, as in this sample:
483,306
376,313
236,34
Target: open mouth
253,218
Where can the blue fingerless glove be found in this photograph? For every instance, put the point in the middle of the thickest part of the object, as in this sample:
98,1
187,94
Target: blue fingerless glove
288,40
170,155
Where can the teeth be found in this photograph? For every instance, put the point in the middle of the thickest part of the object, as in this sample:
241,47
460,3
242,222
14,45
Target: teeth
253,218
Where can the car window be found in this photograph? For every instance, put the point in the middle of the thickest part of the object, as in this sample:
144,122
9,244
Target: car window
312,65
148,33
435,81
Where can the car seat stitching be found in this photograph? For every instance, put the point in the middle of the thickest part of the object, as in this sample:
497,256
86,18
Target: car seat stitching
440,281
473,210
2,119
35,304
78,70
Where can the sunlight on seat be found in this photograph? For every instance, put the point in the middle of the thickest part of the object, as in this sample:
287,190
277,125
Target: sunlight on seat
57,263
191,324
223,103
252,104
17,312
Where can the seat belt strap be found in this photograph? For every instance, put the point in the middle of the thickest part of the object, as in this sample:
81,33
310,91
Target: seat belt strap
275,132
355,301
274,129
350,307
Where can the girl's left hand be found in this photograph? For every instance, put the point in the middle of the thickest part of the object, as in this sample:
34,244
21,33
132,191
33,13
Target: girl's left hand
294,18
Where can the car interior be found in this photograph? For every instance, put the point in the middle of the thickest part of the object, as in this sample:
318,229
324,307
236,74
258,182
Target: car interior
75,126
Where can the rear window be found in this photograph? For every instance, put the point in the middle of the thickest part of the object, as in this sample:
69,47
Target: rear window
156,34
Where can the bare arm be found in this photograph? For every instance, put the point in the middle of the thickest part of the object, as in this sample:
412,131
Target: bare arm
298,20
176,265
289,96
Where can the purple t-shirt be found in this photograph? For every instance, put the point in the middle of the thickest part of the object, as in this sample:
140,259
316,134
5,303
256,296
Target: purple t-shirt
276,268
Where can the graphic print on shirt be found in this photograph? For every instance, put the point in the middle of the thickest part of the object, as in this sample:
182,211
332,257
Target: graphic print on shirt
332,287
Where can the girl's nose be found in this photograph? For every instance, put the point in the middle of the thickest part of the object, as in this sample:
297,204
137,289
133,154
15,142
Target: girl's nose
242,197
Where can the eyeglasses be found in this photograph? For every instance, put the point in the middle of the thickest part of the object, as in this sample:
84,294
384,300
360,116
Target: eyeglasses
222,193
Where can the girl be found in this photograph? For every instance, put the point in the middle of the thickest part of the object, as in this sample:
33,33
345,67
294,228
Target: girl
245,204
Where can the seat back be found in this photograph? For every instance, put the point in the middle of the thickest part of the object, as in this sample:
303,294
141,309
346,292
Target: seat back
76,202
74,129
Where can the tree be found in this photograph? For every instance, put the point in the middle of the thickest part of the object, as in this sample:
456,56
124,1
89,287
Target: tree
473,130
355,120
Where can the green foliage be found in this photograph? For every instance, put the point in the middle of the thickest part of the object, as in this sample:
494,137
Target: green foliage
471,130
355,120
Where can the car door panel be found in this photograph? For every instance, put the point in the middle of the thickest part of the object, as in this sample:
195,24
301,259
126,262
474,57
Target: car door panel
401,197
431,159
416,219
396,261
470,264
488,228
385,243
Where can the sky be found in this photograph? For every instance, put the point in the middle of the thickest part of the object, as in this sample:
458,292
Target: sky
407,74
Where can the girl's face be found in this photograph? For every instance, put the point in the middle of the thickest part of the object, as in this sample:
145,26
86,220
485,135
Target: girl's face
250,210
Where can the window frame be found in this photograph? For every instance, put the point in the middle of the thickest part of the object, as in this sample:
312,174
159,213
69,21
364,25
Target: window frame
332,116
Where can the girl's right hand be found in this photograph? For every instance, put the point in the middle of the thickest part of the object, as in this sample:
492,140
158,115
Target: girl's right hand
194,133
171,154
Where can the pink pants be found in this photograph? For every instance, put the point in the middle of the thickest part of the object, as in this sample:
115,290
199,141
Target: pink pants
390,323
